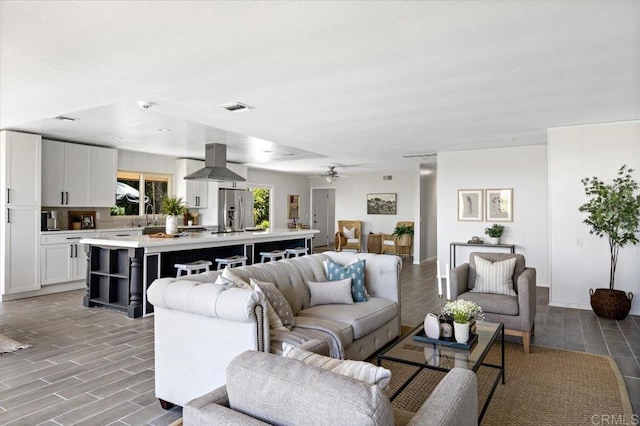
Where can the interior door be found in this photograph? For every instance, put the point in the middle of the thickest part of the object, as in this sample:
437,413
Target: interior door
323,211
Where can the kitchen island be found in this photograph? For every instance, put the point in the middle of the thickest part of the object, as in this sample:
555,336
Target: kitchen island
120,269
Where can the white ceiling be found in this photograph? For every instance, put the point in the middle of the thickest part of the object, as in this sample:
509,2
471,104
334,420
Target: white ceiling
348,83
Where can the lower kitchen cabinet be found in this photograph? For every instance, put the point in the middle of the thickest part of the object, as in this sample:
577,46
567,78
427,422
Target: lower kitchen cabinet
62,259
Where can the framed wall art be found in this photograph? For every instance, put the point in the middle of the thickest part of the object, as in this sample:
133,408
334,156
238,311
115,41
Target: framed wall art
470,207
384,203
499,205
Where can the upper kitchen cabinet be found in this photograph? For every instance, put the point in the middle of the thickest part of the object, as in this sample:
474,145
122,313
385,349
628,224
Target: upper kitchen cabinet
193,192
20,181
75,175
240,169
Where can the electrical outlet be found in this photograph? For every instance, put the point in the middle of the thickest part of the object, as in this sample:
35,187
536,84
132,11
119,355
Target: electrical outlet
579,242
97,215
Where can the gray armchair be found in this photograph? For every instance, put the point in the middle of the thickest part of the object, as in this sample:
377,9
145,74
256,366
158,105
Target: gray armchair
517,313
264,388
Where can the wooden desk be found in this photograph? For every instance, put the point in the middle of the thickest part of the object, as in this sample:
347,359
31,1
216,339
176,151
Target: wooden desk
453,246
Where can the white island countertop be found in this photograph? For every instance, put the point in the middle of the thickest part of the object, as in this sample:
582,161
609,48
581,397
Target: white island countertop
194,240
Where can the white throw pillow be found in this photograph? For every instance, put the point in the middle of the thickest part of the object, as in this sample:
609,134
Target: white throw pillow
228,275
330,292
349,232
359,370
494,277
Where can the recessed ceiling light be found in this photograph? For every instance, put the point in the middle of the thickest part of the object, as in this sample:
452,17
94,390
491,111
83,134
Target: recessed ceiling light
164,129
119,138
236,107
267,151
67,119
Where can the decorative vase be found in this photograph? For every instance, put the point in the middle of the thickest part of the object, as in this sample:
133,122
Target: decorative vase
172,225
461,332
432,326
494,240
612,304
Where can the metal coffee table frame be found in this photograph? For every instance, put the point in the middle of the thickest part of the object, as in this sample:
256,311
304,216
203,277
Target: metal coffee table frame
487,334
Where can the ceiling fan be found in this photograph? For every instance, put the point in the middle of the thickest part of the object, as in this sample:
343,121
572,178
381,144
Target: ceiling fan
330,175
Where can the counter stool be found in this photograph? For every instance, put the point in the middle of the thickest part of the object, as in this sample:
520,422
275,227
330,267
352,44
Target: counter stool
295,252
230,262
272,255
192,267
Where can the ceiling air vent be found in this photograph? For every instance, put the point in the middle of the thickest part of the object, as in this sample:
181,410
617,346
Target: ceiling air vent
387,177
237,107
424,155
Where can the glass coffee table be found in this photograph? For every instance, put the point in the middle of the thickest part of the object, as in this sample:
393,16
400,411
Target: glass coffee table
443,358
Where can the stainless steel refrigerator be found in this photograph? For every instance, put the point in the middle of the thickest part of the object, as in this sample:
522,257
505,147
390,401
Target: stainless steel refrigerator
235,209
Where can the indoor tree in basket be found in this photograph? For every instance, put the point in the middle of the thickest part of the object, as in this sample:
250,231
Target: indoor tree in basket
494,233
613,212
404,233
462,311
173,207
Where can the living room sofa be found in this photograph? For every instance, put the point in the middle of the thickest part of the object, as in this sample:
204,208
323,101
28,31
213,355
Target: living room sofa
267,389
201,326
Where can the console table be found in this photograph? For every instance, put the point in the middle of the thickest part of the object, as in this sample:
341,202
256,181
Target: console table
453,246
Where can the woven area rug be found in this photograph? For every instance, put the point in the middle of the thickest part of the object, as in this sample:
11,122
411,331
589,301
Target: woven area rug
545,387
10,345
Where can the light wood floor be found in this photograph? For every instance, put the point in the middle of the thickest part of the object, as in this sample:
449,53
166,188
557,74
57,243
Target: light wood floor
94,366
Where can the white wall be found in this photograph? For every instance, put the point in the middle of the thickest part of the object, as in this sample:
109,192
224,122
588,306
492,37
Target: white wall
351,200
580,261
522,168
283,184
145,162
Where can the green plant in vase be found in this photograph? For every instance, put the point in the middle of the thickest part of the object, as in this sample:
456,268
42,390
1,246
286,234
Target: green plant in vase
494,233
404,233
173,207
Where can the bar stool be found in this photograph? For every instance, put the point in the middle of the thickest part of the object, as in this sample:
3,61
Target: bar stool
192,267
272,255
295,252
230,262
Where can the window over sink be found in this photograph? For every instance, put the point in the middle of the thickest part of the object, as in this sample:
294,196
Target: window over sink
128,198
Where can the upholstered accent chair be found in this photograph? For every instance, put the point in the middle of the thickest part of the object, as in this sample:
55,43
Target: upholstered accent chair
349,235
263,388
517,310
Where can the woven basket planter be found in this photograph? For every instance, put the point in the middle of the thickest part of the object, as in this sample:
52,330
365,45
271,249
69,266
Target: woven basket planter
612,304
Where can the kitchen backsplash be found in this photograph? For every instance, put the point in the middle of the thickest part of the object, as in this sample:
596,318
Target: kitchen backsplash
104,220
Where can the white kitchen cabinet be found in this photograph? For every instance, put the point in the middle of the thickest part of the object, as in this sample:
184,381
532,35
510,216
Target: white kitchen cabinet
105,174
21,244
240,169
21,177
193,192
20,155
75,175
62,258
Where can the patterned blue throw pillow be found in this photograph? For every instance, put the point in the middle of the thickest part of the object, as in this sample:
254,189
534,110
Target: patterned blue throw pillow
355,270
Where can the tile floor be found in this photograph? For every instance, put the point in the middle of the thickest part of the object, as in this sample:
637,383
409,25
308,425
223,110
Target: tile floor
95,366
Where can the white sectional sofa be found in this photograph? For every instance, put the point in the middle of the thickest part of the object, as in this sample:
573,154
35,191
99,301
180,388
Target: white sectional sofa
201,326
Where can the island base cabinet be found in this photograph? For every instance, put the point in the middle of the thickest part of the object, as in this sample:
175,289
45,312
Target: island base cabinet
114,279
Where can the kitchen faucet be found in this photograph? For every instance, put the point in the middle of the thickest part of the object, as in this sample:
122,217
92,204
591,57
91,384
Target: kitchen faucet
146,213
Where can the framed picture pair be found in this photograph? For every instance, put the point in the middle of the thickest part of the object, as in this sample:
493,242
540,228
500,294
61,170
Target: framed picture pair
491,205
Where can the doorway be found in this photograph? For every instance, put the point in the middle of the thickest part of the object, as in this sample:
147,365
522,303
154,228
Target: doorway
323,211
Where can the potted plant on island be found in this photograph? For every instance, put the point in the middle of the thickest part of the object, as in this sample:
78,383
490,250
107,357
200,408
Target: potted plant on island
173,207
494,233
462,311
404,233
613,212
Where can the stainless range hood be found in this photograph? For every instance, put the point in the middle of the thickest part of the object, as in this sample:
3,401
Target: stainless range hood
215,166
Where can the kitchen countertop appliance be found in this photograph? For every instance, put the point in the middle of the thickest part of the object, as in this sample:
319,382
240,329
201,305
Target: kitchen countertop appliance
235,209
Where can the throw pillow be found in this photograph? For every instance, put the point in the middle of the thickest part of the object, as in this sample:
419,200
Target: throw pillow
355,270
277,301
275,323
223,282
349,232
228,275
494,277
359,370
330,293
